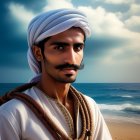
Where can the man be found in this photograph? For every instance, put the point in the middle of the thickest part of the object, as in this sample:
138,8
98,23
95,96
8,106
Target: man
56,43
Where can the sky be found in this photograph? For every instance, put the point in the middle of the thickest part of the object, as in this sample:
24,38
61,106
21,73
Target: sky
112,53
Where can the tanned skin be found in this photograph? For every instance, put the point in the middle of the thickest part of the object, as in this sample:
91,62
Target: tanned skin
63,48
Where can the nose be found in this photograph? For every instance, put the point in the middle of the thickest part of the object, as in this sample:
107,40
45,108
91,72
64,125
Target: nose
70,56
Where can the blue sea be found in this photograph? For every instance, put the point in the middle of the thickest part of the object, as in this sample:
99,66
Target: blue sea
117,101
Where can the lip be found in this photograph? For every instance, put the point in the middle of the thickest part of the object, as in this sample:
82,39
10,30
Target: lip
69,71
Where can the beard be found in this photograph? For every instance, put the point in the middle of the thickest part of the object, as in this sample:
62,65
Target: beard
51,69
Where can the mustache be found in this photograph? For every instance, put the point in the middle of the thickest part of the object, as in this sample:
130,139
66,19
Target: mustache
67,65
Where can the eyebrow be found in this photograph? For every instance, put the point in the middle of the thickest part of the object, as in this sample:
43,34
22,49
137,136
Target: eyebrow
65,43
60,43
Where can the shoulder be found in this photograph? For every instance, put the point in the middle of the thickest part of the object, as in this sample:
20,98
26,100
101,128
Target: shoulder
93,105
12,114
15,107
91,102
16,114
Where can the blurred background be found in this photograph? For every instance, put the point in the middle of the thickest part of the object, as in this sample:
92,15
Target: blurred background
112,53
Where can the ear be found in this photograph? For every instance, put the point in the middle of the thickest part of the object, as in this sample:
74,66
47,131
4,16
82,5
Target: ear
37,53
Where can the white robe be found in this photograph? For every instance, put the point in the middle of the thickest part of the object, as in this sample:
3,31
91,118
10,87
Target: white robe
18,122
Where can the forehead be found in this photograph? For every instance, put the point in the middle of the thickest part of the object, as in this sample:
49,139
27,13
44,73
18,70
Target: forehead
73,34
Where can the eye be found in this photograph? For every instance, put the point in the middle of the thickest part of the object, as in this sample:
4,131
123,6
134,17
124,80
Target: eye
59,47
78,47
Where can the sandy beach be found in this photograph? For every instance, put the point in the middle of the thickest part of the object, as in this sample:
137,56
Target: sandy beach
124,130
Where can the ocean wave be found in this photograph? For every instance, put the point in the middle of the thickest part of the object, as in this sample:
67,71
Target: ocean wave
122,107
127,96
123,96
125,90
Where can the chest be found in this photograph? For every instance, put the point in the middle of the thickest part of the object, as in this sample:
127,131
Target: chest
62,116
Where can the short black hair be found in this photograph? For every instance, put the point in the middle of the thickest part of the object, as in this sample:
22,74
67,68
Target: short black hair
41,44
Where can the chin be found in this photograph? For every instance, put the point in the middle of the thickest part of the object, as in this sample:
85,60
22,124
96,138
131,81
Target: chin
68,80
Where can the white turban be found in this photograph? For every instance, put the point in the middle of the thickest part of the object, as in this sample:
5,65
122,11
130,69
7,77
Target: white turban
51,23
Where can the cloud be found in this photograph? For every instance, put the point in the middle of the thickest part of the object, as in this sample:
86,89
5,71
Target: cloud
133,23
105,25
103,22
119,1
120,58
55,4
118,65
117,34
21,14
116,38
124,55
134,9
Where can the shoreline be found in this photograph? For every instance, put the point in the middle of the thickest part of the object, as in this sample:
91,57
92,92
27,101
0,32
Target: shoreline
121,130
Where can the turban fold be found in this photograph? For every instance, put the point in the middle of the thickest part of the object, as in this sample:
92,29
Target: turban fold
51,23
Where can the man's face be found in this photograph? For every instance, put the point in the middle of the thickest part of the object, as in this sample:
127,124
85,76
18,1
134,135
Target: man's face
63,48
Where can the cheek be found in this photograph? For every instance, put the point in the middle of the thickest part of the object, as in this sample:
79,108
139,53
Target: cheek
51,60
80,58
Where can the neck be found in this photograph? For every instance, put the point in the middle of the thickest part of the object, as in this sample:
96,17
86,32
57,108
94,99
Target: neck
54,89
